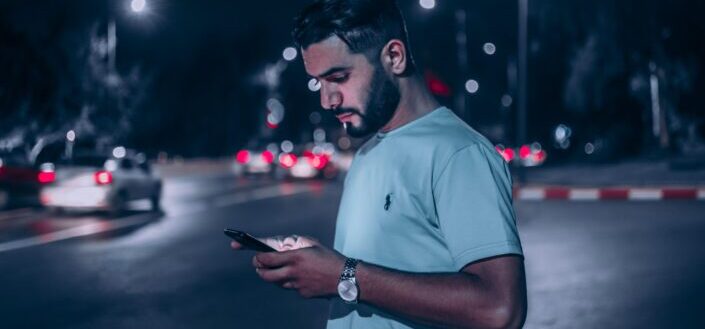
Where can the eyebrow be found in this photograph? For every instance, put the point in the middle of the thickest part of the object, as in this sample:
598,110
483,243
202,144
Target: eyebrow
332,70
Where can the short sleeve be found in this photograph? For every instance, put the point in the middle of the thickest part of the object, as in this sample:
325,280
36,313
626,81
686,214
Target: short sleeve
474,206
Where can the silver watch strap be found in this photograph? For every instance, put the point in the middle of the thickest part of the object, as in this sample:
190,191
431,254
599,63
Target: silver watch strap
349,269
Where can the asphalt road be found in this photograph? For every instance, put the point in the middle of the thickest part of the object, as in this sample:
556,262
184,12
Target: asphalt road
589,264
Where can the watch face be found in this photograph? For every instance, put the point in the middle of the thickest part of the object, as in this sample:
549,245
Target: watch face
347,289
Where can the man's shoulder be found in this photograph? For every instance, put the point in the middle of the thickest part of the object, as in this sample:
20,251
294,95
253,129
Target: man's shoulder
446,132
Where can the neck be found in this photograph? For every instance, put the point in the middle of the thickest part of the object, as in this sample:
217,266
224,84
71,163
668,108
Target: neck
415,101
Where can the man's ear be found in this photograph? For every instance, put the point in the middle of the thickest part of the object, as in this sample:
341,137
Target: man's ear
394,57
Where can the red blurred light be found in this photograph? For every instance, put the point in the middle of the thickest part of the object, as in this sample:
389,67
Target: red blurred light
436,85
268,157
524,151
287,160
243,156
103,177
44,198
271,125
308,154
507,154
46,177
318,161
540,156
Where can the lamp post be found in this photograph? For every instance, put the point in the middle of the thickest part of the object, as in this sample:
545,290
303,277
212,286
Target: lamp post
136,7
521,136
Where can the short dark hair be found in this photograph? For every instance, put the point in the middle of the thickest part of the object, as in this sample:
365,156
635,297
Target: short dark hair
364,25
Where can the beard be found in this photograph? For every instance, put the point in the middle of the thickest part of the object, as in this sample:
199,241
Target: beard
381,104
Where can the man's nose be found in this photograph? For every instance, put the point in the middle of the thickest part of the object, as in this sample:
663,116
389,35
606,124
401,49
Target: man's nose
331,101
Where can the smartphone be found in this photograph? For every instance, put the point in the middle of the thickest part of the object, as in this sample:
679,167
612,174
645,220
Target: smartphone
247,241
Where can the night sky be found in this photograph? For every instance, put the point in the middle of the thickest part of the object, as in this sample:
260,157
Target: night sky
197,63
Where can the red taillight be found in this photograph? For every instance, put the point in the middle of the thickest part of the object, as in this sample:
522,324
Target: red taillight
103,177
506,153
524,151
540,156
287,160
46,177
509,154
268,157
243,156
318,161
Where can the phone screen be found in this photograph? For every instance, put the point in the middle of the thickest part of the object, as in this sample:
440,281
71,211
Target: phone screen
247,241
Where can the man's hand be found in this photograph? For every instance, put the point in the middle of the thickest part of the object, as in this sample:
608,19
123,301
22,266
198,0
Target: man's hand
302,263
312,271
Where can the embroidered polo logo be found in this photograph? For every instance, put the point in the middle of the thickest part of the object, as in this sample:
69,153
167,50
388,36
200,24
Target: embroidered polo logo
388,202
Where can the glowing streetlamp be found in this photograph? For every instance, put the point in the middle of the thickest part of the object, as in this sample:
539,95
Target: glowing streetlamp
427,4
138,6
289,54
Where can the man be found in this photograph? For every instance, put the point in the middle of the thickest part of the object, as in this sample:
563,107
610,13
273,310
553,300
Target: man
426,232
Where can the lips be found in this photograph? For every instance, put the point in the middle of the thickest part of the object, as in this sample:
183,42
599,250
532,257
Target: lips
344,117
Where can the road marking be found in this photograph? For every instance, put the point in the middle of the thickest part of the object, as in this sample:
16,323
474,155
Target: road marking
586,194
609,193
531,194
74,232
134,220
645,194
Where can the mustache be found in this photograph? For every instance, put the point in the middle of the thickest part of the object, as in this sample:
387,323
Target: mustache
341,111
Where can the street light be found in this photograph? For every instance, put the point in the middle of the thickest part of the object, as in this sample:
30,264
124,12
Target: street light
472,86
489,48
427,4
314,85
289,54
138,6
523,11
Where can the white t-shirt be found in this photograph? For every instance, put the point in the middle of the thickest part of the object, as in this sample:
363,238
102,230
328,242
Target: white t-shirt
431,196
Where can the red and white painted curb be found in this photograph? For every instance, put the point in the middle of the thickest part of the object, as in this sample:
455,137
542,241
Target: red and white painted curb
609,193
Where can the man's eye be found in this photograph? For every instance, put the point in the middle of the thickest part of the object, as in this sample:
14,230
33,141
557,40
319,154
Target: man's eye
338,79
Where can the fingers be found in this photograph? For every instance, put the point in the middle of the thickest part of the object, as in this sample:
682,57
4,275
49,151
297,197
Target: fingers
235,245
282,274
273,259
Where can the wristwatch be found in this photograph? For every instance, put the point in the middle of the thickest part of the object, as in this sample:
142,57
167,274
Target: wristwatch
348,289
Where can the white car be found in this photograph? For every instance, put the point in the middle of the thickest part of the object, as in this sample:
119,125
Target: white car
307,166
97,182
254,162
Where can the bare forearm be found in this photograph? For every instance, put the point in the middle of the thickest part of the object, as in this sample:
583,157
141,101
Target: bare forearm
457,300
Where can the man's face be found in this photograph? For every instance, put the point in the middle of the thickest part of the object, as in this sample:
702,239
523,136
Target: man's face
360,94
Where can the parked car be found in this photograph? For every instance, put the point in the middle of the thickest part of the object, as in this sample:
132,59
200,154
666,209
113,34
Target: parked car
101,182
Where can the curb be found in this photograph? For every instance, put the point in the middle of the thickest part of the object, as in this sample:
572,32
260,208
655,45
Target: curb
608,193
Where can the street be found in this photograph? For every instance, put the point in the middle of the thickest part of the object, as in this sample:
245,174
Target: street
602,264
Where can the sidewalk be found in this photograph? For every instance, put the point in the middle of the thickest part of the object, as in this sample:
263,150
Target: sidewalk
628,180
